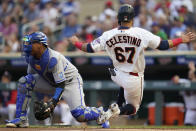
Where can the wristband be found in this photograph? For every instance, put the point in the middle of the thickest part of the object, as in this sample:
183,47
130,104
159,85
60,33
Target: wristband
79,45
176,41
58,94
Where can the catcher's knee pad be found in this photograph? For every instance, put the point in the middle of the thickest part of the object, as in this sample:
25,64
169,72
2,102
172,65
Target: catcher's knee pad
25,88
26,84
84,114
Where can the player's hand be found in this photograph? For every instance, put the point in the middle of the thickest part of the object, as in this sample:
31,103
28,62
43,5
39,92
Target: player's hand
43,109
188,37
74,39
51,104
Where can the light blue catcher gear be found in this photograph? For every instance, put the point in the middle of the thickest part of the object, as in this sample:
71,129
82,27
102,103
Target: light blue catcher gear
25,88
28,40
106,124
24,93
84,114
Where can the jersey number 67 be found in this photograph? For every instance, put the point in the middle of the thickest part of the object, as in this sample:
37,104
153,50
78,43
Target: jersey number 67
121,58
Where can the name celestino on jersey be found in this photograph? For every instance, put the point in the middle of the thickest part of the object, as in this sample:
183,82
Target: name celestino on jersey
123,39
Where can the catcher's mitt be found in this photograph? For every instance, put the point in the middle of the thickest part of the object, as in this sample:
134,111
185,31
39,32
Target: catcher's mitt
43,110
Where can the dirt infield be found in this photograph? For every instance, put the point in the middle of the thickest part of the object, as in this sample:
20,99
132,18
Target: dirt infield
88,129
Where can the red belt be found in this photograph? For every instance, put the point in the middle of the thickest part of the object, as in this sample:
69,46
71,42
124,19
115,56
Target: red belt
134,74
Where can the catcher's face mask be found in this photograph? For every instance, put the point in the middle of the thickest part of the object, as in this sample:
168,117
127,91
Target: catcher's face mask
26,46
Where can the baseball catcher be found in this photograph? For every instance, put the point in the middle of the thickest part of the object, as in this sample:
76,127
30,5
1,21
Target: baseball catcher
49,72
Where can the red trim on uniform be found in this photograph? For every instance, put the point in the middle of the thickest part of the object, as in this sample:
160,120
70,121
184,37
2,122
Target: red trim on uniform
13,98
134,74
176,41
134,112
79,45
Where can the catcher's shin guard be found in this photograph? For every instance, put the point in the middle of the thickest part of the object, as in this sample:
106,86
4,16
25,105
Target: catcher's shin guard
24,92
84,114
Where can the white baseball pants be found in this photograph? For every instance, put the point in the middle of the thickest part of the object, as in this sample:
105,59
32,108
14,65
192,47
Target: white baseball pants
133,87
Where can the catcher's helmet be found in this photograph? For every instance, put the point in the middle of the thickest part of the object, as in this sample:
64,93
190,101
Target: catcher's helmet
38,37
28,40
125,13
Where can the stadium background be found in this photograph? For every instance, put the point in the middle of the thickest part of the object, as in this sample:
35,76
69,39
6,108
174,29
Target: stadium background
87,14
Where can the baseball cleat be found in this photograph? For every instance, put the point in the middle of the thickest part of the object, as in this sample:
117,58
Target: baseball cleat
113,111
18,122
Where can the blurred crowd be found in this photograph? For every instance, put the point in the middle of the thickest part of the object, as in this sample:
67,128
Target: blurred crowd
58,19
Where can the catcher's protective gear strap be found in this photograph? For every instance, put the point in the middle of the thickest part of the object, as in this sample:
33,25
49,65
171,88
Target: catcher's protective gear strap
164,45
79,45
52,63
25,88
89,48
58,94
84,114
176,41
121,98
128,109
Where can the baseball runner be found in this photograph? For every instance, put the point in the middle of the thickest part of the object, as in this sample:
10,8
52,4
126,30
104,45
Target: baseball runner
125,45
49,72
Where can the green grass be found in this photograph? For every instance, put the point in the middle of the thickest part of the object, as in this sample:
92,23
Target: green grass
156,127
129,126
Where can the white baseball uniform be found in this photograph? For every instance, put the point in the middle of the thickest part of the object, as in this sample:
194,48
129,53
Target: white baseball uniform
126,49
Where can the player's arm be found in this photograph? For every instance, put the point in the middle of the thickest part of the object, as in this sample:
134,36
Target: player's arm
86,47
191,73
58,93
57,69
51,104
185,38
95,46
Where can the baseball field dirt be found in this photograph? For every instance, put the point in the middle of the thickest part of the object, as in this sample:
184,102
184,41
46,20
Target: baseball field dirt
120,124
87,129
